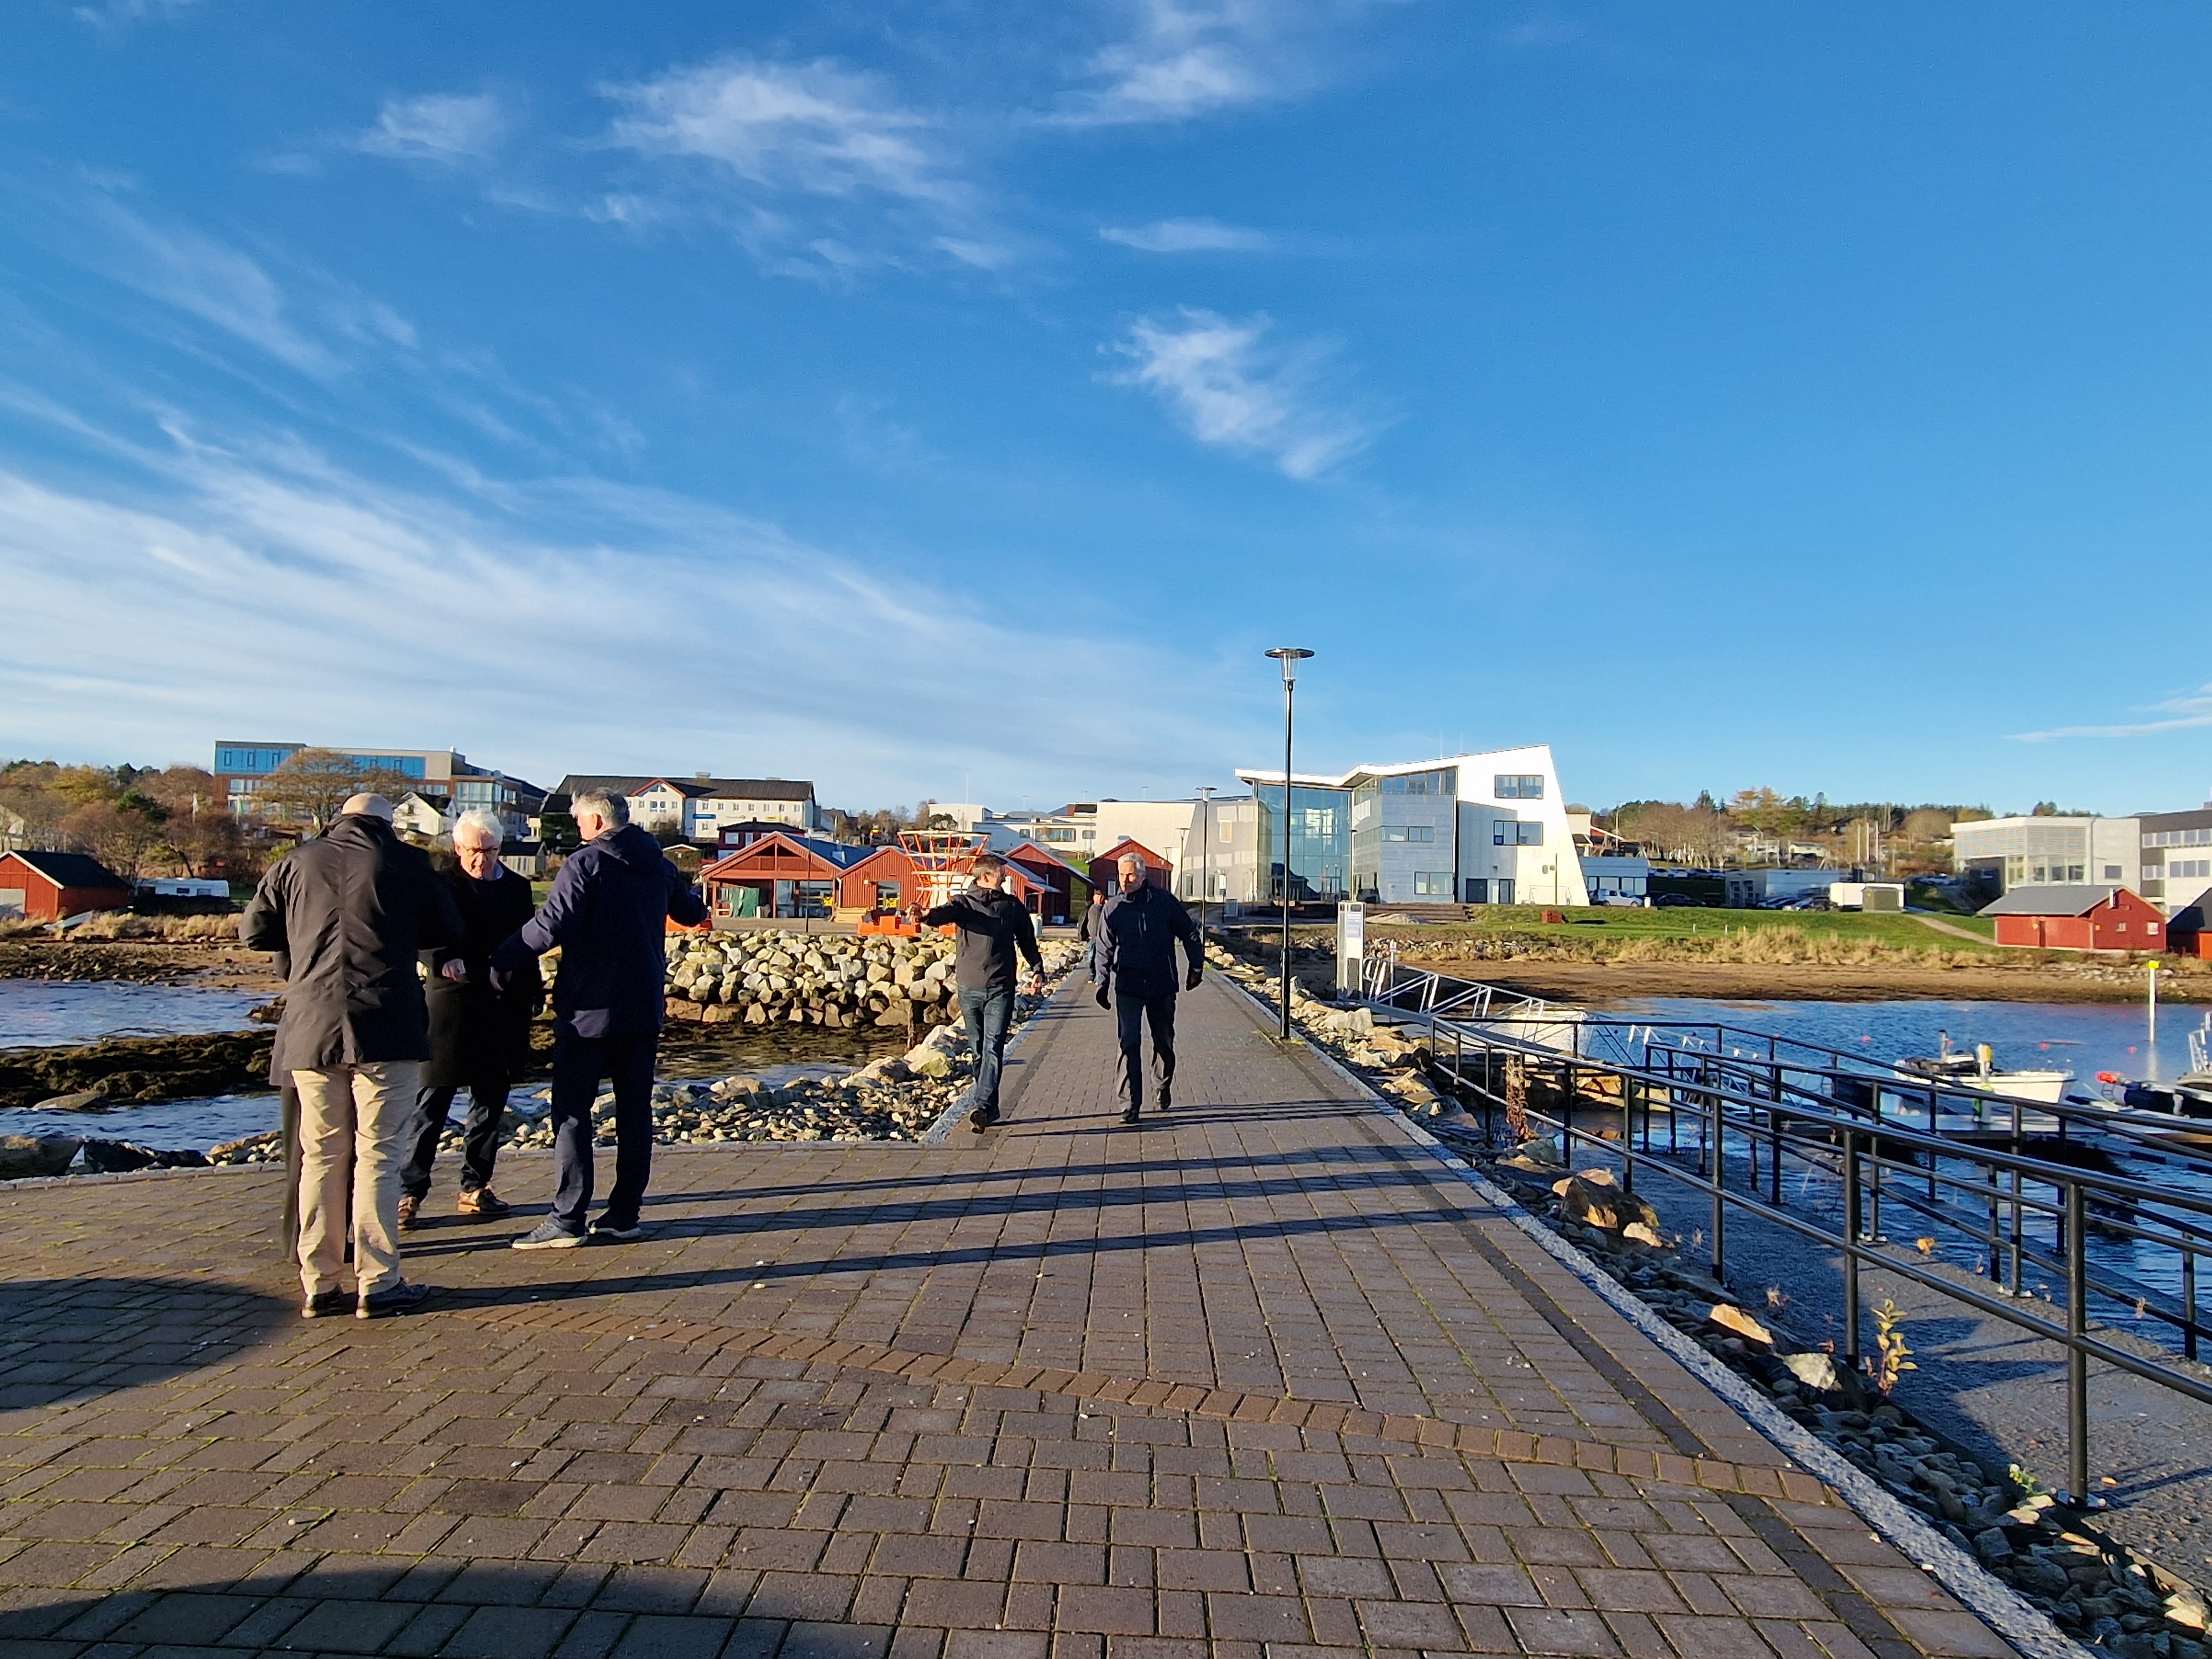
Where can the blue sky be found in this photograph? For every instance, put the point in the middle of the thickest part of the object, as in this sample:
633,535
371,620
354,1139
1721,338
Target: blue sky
930,398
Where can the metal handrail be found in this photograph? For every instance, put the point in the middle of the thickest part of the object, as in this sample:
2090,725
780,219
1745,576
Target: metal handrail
1851,1140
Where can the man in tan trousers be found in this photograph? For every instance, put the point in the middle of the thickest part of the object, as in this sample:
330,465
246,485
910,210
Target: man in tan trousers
350,909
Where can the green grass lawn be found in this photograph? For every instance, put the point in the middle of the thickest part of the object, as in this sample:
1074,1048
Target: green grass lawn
1841,925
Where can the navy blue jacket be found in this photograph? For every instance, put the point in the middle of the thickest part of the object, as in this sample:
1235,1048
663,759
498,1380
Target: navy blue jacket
1137,936
607,912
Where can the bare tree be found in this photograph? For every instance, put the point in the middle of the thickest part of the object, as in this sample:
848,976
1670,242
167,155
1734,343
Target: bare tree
122,833
313,783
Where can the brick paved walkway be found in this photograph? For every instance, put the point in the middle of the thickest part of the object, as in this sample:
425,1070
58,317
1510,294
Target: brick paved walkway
1261,1377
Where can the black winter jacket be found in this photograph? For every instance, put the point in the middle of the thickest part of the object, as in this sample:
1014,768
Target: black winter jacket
475,1031
993,926
609,912
351,909
1137,939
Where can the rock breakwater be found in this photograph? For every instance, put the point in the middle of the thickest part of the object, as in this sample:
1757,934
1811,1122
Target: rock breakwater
831,980
898,1097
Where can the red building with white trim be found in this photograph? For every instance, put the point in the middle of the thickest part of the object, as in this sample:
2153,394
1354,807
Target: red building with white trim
786,877
1157,871
2078,918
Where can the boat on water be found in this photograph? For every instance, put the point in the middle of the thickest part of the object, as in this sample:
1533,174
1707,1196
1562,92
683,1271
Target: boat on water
1976,1068
2189,1097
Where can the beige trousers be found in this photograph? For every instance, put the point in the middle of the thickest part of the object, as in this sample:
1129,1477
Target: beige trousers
353,1121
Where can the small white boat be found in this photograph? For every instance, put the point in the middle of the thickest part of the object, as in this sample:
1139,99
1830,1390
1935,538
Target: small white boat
1979,1070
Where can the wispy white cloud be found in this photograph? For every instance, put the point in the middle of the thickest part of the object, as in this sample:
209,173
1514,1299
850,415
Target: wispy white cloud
2190,711
1185,58
115,14
812,128
1187,236
461,615
816,167
440,128
205,278
1230,385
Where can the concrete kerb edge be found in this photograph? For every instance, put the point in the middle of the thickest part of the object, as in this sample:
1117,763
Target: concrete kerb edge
88,1179
1991,1600
950,1119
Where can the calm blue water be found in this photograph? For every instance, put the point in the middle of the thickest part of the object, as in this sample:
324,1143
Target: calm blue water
172,1126
38,1013
2082,1038
177,1125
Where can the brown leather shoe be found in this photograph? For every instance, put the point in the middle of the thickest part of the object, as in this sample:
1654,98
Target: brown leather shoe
410,1207
483,1204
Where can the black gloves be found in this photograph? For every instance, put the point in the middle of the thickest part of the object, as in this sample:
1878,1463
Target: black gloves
1103,1003
1190,980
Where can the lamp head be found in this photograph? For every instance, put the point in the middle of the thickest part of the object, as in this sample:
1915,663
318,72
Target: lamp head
1289,656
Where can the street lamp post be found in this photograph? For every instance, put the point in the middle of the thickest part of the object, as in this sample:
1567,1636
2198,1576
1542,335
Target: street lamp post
1205,851
1289,656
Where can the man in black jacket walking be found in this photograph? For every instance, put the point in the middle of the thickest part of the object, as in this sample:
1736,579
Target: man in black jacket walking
1135,955
609,912
993,926
350,909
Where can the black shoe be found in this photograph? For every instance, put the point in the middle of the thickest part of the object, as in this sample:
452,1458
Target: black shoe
1166,1101
400,1298
604,1232
1129,1116
982,1118
325,1304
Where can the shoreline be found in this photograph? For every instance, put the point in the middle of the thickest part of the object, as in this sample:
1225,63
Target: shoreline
139,962
1597,983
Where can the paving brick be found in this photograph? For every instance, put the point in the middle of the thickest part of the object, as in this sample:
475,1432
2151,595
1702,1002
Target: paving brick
1057,1392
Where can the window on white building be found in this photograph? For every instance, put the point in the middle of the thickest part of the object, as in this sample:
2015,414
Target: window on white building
1519,785
1437,884
1507,832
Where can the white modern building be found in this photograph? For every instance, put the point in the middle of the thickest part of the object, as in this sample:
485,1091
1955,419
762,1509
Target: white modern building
1474,829
2164,857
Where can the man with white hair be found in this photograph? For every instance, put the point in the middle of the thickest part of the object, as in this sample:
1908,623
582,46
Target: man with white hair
479,1034
1135,955
351,910
609,912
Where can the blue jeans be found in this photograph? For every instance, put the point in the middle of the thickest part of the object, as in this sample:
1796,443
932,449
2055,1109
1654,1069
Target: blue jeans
988,1013
579,1064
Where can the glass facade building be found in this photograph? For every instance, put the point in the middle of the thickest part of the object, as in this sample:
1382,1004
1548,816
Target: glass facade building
1321,842
1404,836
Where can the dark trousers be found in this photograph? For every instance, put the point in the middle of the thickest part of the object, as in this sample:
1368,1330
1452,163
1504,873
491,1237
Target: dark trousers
1132,1013
988,1013
580,1063
479,1134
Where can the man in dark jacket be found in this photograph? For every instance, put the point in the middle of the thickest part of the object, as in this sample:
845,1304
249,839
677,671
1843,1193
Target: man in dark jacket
609,912
351,910
479,1036
993,926
1135,954
1086,931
